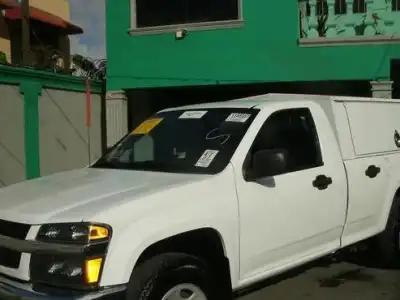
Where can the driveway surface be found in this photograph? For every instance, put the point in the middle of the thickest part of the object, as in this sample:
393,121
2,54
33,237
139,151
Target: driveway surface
332,280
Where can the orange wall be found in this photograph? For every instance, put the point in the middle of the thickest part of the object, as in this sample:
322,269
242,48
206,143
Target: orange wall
4,38
56,7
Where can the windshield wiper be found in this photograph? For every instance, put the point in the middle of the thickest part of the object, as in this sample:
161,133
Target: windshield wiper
107,164
148,165
154,165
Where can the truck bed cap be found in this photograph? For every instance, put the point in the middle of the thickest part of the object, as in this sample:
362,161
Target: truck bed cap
261,100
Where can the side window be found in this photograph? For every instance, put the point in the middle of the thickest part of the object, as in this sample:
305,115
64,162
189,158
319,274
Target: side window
294,131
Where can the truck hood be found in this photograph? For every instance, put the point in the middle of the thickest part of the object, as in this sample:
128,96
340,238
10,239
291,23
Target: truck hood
66,196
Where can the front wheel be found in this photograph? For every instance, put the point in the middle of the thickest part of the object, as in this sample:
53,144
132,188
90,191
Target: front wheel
173,276
185,291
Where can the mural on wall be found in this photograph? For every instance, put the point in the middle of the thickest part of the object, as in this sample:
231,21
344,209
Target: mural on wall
348,18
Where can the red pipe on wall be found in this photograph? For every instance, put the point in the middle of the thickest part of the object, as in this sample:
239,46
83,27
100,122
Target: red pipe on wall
88,103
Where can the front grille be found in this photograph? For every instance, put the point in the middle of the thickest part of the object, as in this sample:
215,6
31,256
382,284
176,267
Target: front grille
14,230
10,258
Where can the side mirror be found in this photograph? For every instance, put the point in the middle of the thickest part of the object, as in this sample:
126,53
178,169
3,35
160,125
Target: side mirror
268,163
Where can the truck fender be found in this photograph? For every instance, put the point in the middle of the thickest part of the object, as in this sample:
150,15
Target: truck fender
126,249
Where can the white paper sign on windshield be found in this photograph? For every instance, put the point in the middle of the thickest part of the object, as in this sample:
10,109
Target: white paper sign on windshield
193,114
238,118
206,158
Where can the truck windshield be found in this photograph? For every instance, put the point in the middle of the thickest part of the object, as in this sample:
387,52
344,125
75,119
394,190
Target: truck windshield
182,141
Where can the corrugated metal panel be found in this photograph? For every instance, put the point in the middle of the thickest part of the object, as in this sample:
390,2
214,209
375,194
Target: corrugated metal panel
65,141
12,145
117,116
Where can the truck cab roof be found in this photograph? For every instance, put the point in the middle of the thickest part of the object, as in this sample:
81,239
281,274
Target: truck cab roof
362,126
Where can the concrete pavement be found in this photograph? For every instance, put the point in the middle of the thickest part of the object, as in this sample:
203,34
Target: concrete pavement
332,281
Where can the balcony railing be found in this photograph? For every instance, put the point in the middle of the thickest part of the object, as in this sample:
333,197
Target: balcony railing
323,19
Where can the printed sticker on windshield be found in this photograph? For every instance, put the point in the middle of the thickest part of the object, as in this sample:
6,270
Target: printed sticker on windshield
193,114
206,158
238,118
147,126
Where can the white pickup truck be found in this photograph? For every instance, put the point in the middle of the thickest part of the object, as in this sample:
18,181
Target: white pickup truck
203,200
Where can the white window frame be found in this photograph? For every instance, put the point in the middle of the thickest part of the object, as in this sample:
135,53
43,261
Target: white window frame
188,26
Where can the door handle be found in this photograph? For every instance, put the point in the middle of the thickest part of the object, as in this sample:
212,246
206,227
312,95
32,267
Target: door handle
321,182
372,171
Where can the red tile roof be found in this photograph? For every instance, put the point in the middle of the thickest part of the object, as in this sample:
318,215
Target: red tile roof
8,4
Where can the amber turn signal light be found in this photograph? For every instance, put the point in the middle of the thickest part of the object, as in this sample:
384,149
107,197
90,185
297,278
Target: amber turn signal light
98,233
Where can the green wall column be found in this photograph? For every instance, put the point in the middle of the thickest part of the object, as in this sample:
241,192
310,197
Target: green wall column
31,91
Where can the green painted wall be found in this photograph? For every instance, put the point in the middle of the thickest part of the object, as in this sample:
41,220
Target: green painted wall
264,50
31,82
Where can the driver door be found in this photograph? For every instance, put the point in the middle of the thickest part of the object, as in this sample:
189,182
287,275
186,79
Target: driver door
285,219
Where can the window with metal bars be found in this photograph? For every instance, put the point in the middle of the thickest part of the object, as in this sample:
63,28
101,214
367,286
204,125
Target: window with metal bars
308,9
340,7
359,6
322,7
395,5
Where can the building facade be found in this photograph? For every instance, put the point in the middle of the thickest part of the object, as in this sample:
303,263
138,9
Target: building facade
187,50
50,28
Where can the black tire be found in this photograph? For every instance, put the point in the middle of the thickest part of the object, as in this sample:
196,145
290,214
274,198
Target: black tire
386,245
152,279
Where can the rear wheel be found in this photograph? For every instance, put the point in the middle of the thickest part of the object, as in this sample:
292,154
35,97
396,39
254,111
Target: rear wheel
173,276
386,245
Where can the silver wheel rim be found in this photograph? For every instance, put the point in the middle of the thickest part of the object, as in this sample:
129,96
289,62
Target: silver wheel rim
185,291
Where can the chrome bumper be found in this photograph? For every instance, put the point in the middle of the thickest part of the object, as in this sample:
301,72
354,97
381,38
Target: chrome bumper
14,290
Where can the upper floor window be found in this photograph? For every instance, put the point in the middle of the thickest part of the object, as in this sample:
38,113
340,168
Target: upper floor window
156,13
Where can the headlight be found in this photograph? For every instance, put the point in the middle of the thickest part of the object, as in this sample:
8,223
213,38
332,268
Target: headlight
81,271
80,233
